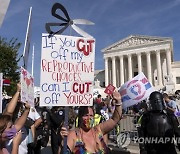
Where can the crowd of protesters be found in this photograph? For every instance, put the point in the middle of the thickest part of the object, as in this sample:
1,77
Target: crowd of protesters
25,129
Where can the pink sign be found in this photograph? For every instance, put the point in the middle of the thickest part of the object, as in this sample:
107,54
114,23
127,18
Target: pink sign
109,89
27,87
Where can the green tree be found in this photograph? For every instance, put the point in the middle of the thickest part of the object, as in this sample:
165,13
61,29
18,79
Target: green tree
9,63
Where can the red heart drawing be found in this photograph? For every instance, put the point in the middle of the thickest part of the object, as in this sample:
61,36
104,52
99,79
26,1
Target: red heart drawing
28,82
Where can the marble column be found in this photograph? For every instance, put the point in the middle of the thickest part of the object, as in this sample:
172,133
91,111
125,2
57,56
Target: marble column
149,71
139,62
106,72
121,70
114,71
168,57
129,67
159,70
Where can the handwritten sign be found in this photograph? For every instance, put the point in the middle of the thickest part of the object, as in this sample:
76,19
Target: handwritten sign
135,90
27,87
1,85
67,71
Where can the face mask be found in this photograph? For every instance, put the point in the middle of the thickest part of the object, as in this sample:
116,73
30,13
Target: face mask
10,133
89,123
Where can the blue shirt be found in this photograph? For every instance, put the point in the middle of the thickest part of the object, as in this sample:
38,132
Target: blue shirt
172,104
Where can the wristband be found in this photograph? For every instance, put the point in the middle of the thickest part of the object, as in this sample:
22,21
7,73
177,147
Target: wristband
119,104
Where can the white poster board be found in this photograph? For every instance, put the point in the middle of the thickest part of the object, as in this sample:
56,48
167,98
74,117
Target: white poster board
1,85
27,87
67,71
135,90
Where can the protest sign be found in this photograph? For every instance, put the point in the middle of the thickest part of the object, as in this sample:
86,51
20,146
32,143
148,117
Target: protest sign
109,89
1,85
135,90
67,71
27,87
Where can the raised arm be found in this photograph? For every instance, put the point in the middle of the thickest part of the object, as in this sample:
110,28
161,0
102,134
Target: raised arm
16,142
12,104
111,123
36,123
21,121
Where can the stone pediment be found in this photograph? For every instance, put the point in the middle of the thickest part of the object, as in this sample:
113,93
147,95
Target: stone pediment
136,40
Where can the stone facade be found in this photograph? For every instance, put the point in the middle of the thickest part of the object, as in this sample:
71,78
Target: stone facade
151,55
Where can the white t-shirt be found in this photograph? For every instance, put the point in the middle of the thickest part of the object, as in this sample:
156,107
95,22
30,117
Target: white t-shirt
34,115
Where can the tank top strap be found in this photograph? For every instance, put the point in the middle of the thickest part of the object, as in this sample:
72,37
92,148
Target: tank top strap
105,149
79,141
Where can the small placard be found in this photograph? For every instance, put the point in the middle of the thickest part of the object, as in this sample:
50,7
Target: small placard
109,89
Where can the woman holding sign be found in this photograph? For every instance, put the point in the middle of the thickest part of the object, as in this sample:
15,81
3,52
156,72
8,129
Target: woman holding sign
89,139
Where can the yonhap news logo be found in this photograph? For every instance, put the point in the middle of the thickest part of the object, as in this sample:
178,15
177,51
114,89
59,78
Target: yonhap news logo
124,139
156,140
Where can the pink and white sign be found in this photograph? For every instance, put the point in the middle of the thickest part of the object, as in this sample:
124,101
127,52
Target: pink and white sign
67,71
27,87
109,89
135,90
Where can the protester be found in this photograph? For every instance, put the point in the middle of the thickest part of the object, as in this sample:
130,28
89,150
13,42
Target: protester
98,99
158,128
42,131
90,139
8,130
57,119
29,131
98,104
171,104
13,105
6,121
177,94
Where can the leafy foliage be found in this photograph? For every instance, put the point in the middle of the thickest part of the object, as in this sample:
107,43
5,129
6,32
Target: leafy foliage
9,62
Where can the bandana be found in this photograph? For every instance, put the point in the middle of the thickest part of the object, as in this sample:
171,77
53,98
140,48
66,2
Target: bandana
89,123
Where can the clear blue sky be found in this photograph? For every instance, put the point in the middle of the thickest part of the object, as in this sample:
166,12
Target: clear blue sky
114,20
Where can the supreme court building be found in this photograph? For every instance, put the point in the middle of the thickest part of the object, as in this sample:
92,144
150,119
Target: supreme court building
151,55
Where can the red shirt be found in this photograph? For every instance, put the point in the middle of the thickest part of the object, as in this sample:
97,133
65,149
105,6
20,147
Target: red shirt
98,100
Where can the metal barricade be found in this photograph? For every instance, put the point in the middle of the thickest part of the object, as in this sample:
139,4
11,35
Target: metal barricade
127,123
